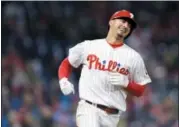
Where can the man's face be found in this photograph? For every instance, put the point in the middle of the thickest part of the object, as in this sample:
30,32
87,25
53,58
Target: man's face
121,27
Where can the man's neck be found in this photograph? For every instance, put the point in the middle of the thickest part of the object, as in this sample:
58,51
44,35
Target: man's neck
114,40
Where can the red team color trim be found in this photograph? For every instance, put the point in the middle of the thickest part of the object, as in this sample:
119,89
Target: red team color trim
65,70
136,89
116,45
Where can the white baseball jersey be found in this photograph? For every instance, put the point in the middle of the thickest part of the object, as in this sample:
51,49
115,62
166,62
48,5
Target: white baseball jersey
98,58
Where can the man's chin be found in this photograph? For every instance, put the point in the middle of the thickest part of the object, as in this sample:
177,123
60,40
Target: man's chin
120,35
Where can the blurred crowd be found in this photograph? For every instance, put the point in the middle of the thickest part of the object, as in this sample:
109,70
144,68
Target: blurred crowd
36,37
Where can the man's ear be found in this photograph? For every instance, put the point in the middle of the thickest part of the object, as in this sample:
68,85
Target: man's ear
110,22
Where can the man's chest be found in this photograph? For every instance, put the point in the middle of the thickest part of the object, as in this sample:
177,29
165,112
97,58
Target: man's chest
106,59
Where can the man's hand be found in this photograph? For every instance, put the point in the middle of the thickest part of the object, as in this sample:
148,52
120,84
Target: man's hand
66,87
116,78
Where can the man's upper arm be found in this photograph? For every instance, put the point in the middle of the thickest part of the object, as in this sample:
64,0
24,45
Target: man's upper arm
76,54
140,74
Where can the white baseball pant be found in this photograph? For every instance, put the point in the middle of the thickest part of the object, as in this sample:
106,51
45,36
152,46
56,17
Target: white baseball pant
89,115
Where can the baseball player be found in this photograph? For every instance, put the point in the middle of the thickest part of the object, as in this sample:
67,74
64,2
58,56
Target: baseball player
110,71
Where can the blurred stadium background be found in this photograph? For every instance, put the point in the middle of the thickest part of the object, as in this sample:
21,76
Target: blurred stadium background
36,37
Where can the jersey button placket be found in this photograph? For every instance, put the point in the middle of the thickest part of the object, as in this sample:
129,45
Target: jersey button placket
111,56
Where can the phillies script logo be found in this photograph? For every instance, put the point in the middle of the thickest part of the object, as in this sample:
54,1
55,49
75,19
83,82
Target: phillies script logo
111,66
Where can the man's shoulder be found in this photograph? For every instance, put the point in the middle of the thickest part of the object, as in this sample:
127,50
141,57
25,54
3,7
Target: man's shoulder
95,41
132,51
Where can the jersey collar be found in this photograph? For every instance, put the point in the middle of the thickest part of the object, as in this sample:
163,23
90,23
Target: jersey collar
115,45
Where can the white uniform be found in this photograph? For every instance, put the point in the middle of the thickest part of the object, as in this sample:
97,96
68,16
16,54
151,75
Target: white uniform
98,59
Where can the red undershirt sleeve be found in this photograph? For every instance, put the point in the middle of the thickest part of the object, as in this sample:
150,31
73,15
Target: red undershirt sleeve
65,69
136,89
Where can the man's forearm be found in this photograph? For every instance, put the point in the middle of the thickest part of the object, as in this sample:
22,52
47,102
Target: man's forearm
136,89
65,69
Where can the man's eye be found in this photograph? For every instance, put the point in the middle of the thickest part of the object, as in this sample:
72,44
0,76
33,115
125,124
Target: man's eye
123,21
